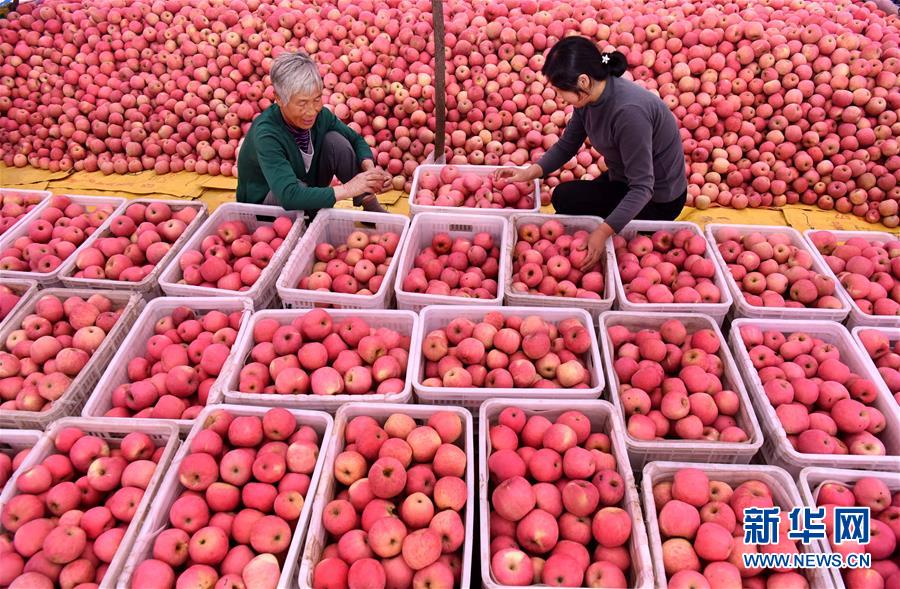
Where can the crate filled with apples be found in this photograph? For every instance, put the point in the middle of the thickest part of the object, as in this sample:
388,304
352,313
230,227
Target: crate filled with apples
773,274
558,500
470,354
880,493
819,401
695,516
867,265
13,292
469,189
131,251
447,260
56,231
171,359
347,259
548,255
882,346
395,506
14,447
674,381
15,204
240,248
235,503
73,509
54,348
664,266
321,359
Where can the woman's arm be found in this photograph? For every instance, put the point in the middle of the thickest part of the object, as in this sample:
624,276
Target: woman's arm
568,145
332,123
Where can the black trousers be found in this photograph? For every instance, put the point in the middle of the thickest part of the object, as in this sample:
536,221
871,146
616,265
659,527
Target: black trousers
599,197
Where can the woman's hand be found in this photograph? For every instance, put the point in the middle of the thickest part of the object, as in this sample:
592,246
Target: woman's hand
368,165
510,174
368,181
597,246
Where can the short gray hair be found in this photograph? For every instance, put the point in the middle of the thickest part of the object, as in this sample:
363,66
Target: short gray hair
295,73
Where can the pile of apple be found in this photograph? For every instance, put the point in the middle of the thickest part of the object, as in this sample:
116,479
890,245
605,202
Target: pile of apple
671,384
508,352
318,355
39,360
548,260
869,270
134,242
396,518
886,355
9,298
9,462
460,267
453,188
178,366
72,510
244,482
884,526
666,267
772,272
61,227
823,407
13,206
232,257
355,267
556,496
701,526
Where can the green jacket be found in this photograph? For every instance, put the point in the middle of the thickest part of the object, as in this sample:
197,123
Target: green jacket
269,160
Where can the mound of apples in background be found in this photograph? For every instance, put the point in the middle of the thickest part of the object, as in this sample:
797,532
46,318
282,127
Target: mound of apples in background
460,267
134,243
556,497
547,260
72,510
701,525
9,462
395,519
886,355
671,384
508,352
8,300
823,407
315,354
244,483
770,272
884,526
51,238
355,267
452,188
14,206
868,270
179,365
233,257
39,360
666,267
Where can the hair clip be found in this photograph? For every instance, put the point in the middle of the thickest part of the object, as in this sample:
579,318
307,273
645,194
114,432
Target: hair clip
605,58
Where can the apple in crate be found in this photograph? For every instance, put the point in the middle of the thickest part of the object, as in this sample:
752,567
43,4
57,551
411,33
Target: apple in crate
460,267
453,188
14,206
357,266
9,297
886,355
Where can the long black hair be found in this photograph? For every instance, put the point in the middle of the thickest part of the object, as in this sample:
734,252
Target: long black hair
574,56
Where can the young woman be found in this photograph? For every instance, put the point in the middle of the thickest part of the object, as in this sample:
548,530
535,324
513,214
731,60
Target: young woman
633,130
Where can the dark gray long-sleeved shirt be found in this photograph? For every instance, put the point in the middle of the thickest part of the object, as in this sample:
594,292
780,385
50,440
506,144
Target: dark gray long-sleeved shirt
637,135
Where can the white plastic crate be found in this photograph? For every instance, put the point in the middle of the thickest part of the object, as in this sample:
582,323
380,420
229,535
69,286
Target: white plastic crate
856,317
24,288
316,538
134,344
893,335
777,450
405,322
717,311
334,226
423,229
415,209
744,309
601,414
571,223
263,291
149,286
12,441
45,279
643,451
784,494
112,430
24,219
82,385
439,316
157,518
811,479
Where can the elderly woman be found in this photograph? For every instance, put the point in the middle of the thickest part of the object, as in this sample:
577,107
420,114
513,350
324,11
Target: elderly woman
295,148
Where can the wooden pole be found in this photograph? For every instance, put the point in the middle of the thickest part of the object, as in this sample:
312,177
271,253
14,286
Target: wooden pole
440,73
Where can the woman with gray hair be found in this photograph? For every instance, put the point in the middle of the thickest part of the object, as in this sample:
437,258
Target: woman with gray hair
295,148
